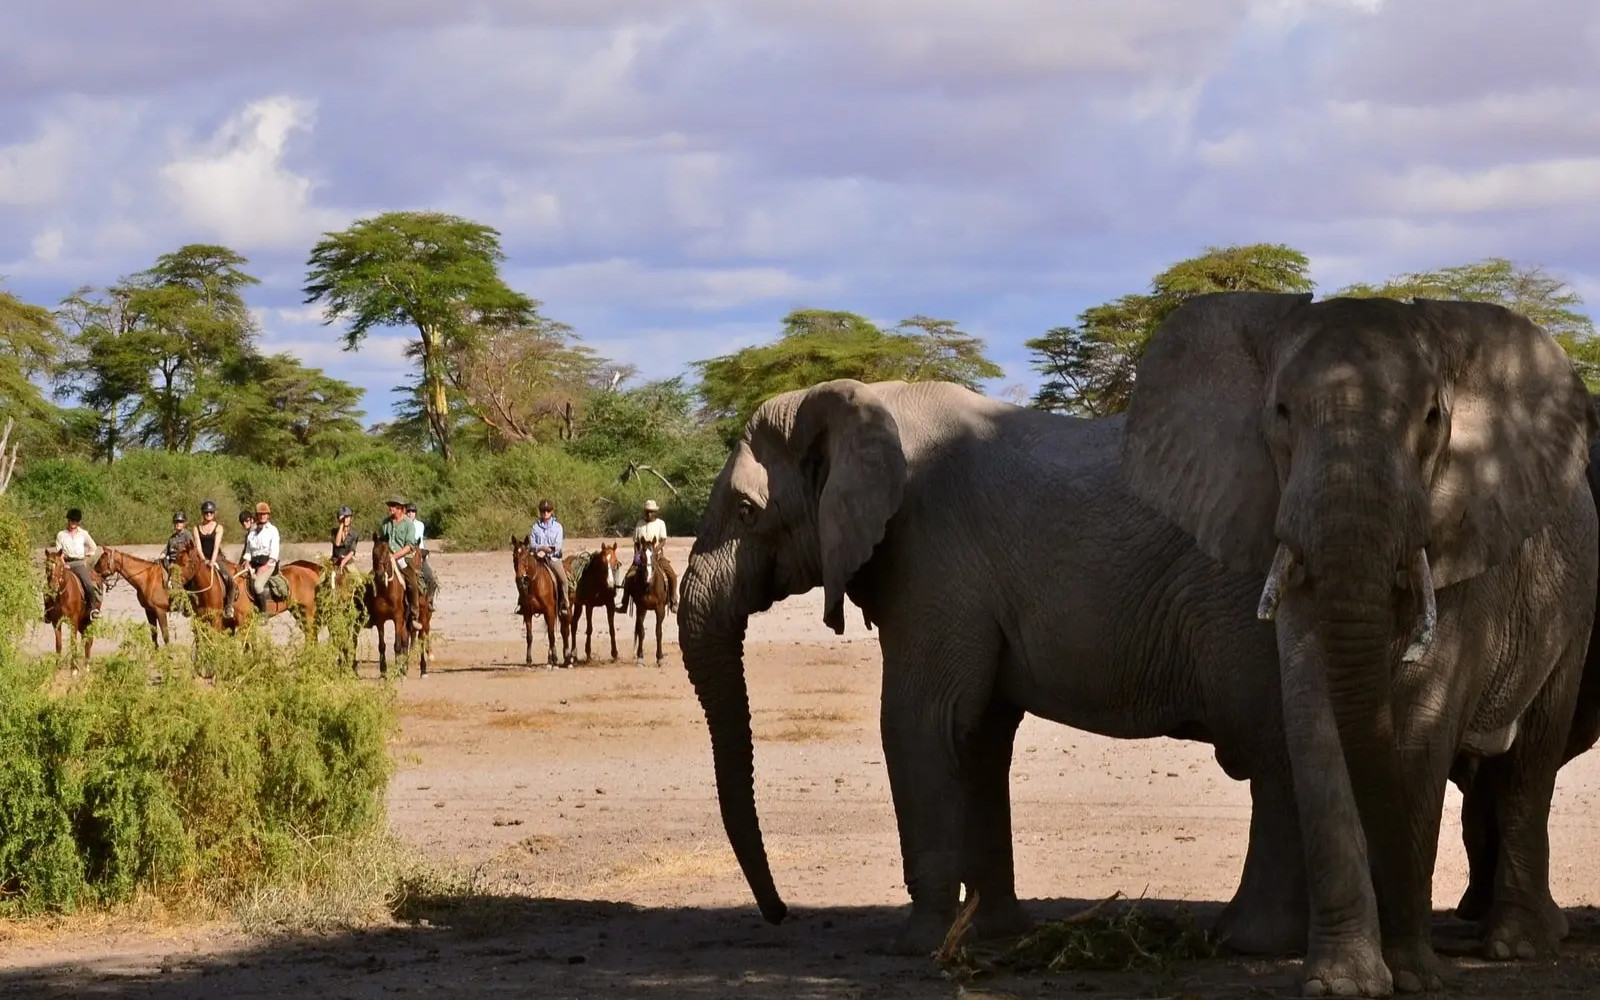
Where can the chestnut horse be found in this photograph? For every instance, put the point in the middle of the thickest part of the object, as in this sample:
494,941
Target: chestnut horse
207,590
648,595
537,597
65,601
384,602
149,584
596,587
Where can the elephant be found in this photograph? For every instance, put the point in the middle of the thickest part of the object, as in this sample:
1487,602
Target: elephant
1007,570
1411,477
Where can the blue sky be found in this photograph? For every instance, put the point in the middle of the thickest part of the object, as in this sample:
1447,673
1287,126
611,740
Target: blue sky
672,177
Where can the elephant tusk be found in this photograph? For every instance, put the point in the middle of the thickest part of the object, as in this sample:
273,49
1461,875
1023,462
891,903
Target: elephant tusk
1422,580
1268,608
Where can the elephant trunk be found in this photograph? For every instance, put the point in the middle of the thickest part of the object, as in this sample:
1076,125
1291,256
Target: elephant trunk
712,640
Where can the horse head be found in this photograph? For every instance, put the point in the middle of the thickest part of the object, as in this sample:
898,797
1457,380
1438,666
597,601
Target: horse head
614,569
55,571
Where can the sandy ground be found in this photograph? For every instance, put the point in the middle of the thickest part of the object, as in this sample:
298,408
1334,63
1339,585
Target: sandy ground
589,793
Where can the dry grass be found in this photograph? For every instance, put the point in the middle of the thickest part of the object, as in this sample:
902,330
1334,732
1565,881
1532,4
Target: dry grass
536,844
538,720
839,688
671,866
804,725
629,692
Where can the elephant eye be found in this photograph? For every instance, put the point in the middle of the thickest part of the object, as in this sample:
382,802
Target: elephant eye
1282,411
1433,415
747,510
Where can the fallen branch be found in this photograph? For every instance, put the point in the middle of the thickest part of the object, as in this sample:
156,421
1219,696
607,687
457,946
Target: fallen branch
633,470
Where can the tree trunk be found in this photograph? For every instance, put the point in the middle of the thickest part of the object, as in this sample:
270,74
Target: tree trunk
435,402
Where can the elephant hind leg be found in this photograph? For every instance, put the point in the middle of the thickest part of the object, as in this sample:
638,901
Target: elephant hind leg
987,866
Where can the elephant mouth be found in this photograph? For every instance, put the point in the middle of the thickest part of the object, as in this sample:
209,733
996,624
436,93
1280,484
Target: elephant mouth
1417,574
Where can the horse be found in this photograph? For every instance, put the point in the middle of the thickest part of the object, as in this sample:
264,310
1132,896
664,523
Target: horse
65,601
648,595
537,597
207,590
384,602
596,587
149,583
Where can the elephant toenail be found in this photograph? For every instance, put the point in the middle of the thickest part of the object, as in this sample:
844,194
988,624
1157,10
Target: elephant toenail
1346,988
1499,951
1526,950
1408,982
1315,988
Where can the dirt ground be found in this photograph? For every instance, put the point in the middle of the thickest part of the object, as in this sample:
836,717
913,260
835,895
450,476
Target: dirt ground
586,797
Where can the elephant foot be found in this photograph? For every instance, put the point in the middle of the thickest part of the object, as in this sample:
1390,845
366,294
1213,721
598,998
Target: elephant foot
1347,969
921,936
1415,968
1256,928
1474,904
1518,931
999,920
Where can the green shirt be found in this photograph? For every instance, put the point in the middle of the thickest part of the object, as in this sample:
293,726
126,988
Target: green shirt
400,533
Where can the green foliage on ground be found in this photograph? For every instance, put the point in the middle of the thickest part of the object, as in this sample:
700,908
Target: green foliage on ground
139,777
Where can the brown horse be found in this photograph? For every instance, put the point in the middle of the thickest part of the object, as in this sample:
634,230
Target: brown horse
596,587
207,590
149,584
536,595
648,595
384,602
65,601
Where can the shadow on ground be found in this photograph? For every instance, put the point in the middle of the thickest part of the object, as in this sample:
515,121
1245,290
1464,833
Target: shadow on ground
485,946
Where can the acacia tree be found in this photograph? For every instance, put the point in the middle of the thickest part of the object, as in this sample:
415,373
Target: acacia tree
284,411
1089,367
819,344
436,273
29,352
518,380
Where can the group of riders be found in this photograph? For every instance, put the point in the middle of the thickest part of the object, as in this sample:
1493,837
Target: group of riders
402,530
259,555
546,538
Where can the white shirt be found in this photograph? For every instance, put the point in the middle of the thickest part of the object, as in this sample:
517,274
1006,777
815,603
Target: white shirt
75,543
650,531
422,534
262,541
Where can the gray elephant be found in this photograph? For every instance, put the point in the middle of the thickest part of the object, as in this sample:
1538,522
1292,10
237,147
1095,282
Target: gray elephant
1008,570
1411,476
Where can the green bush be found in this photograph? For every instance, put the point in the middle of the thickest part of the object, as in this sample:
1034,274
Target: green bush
474,504
138,776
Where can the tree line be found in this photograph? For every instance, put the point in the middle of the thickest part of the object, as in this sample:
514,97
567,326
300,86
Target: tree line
167,360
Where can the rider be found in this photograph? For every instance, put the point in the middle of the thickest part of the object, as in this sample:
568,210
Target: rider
545,538
401,534
261,554
176,542
645,534
208,535
429,583
344,541
79,550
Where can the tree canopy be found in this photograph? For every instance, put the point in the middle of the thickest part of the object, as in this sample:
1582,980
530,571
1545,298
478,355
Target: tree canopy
437,273
818,345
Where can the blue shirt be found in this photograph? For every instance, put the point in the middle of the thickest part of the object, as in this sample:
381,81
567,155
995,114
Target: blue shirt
546,536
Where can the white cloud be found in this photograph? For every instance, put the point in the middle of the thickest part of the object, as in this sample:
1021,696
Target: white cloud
237,186
47,245
708,288
1507,187
34,172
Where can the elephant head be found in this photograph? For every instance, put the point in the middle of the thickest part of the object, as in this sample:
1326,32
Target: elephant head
803,500
1361,452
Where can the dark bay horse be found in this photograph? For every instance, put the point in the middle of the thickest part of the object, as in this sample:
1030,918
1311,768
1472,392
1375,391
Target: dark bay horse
536,595
596,588
65,601
648,595
385,603
148,580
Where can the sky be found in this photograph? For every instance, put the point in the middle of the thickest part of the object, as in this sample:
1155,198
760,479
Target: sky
671,177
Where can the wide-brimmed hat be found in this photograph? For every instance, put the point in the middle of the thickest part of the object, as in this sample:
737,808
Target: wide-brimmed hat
651,506
395,501
262,508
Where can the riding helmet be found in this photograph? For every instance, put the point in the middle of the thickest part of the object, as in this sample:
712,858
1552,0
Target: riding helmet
346,512
545,505
208,506
178,518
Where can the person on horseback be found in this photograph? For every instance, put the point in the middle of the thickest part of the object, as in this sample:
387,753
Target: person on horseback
344,540
645,534
429,583
545,539
261,554
176,542
79,550
208,536
401,535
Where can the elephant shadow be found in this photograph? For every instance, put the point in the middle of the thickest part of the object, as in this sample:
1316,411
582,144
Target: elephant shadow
499,945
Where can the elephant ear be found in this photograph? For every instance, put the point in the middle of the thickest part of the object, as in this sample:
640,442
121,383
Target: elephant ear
848,443
1521,422
1193,447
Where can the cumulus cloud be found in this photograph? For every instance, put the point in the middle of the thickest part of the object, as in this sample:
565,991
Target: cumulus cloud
237,186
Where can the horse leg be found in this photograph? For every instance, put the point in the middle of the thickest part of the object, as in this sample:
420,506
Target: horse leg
155,635
550,616
638,634
527,628
611,626
588,633
660,613
383,651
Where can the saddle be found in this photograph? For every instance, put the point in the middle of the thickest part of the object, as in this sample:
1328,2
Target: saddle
277,587
580,562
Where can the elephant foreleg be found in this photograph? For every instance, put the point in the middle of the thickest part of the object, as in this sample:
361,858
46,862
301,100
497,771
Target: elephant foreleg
987,867
1267,915
1481,840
